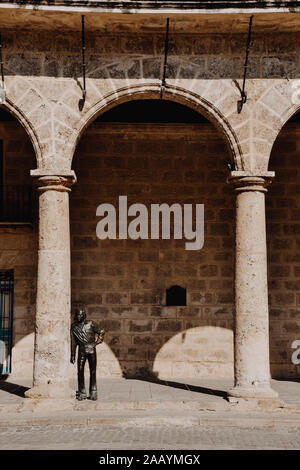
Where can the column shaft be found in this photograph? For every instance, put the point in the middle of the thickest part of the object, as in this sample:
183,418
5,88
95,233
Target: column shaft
52,325
252,363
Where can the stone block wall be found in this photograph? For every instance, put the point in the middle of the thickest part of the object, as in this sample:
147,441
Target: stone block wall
272,55
123,282
44,79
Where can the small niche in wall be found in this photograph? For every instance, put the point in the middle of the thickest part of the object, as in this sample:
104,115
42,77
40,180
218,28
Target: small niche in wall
176,296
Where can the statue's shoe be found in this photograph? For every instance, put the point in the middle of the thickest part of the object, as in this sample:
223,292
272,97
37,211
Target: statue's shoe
93,395
81,396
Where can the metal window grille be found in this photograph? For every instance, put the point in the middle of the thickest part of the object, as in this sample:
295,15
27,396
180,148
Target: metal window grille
1,175
6,320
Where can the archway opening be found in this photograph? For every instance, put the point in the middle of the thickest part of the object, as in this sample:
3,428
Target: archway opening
283,238
18,245
151,111
152,152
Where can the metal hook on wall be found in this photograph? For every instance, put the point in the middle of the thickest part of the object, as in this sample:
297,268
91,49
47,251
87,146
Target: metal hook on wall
2,86
82,100
163,81
243,99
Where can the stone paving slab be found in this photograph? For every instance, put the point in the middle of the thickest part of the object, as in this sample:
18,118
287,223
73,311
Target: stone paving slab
120,389
143,402
190,389
155,418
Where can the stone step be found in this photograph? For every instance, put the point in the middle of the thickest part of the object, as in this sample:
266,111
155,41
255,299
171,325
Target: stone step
44,405
154,418
71,412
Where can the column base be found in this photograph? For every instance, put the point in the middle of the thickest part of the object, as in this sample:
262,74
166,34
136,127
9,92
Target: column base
265,392
53,390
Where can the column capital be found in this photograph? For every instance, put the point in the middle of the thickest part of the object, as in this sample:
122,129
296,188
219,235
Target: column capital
248,181
46,180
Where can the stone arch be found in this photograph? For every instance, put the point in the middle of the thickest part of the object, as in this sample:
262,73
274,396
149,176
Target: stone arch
289,113
25,123
286,116
272,108
172,93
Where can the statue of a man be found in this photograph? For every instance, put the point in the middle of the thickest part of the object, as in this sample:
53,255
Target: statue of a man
86,335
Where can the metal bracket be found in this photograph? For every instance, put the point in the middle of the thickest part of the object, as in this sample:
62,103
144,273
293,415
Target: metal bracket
243,99
163,81
82,100
2,86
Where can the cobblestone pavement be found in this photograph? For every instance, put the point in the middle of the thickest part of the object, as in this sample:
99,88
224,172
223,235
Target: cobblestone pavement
148,437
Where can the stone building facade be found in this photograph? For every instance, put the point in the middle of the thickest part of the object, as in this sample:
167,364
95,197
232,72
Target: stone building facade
243,302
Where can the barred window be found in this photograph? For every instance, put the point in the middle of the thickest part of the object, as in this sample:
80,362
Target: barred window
6,320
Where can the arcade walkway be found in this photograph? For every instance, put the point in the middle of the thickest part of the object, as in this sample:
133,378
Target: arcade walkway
208,393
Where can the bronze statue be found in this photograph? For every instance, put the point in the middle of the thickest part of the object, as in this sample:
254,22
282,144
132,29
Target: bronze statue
86,335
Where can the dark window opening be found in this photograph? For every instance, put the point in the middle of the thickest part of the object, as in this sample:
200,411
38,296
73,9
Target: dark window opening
16,200
176,296
152,111
16,204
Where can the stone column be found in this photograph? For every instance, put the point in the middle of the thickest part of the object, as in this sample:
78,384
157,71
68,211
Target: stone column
52,325
251,348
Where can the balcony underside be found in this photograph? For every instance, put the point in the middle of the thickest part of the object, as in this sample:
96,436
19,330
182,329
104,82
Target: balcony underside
149,16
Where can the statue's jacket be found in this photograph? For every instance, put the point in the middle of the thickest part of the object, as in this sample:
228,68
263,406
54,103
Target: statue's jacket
83,336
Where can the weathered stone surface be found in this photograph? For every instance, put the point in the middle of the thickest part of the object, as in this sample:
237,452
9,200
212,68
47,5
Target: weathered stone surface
52,323
252,365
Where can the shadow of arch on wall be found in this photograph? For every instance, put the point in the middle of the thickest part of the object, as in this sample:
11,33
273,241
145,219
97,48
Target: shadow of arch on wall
172,93
23,355
209,348
198,352
195,353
